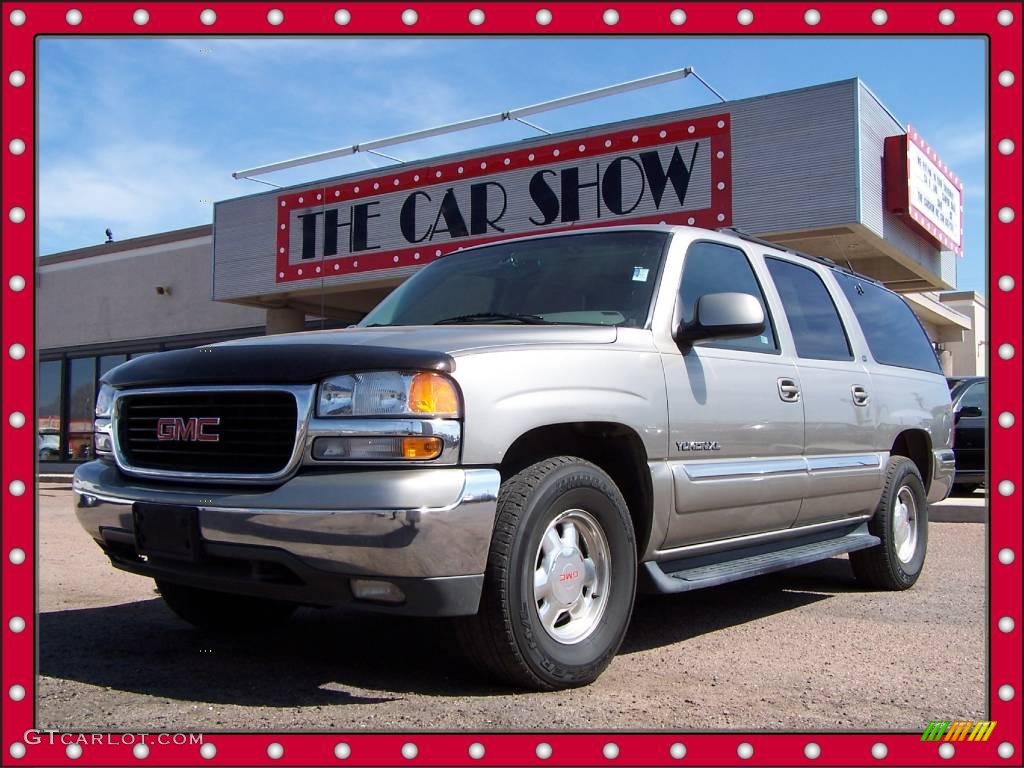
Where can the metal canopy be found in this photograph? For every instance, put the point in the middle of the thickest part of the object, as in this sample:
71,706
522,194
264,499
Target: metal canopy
512,114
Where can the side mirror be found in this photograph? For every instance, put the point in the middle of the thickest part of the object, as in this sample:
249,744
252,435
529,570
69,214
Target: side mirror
723,316
968,412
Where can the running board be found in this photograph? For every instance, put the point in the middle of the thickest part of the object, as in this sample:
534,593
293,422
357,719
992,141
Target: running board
680,578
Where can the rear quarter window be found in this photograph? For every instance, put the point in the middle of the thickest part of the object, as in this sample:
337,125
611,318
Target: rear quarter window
892,330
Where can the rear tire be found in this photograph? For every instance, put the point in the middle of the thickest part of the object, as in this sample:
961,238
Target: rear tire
223,612
560,580
901,522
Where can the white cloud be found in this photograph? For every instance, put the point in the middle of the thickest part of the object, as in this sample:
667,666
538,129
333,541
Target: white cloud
135,187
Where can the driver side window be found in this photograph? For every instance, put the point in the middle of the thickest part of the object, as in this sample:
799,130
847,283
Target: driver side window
717,268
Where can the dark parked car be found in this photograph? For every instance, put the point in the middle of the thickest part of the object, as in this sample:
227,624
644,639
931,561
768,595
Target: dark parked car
970,411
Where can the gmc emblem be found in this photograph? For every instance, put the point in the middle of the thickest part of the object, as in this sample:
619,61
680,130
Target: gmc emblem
190,430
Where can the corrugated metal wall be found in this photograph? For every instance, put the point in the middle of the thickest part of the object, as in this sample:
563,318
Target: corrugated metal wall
876,123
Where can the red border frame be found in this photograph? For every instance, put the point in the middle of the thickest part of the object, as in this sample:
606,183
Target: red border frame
1004,301
717,127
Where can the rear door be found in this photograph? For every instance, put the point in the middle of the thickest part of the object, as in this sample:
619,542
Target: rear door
844,470
736,421
969,441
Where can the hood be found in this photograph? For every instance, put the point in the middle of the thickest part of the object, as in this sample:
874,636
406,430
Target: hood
451,339
306,358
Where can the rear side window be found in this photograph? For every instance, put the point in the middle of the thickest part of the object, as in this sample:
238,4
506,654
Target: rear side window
976,397
716,268
817,330
893,332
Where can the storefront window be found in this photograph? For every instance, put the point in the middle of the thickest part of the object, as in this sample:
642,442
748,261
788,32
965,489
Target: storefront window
49,410
81,407
108,362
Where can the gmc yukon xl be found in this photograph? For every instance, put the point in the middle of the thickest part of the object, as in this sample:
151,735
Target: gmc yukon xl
523,435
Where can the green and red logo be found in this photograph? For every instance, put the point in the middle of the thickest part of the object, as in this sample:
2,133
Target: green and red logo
958,730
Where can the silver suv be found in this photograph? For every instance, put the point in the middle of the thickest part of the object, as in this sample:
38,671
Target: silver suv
523,435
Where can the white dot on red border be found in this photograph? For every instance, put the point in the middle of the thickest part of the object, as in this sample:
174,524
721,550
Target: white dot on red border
275,16
1006,78
141,17
16,283
73,751
208,16
17,17
745,17
73,17
1005,17
879,17
610,17
678,17
409,17
17,557
476,17
812,17
16,78
544,17
342,17
946,17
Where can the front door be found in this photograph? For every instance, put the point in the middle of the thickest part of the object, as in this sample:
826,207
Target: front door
736,418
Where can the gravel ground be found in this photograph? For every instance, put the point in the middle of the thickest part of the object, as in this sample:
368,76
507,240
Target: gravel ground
801,650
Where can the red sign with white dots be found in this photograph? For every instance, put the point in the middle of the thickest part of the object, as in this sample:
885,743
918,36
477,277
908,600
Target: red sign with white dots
675,172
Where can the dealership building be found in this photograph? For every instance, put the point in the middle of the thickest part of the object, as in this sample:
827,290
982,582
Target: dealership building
827,170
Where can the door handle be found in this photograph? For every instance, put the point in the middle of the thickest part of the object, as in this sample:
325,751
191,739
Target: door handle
789,390
860,395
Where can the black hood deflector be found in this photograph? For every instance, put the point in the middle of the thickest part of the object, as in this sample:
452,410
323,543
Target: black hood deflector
269,364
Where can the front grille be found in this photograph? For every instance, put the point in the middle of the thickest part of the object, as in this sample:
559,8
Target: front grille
255,434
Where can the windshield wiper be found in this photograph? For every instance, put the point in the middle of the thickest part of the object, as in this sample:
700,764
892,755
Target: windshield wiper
494,317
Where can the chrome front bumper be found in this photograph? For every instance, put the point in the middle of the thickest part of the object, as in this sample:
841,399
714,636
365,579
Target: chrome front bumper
411,524
943,471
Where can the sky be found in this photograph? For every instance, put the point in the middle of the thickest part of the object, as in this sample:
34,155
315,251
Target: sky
141,135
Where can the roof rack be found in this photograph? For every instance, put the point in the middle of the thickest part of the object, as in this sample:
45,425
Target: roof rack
743,235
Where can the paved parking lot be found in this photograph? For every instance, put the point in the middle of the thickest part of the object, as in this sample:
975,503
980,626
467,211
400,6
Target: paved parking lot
806,649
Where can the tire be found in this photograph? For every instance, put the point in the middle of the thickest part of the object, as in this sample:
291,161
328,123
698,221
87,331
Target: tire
223,612
508,639
896,563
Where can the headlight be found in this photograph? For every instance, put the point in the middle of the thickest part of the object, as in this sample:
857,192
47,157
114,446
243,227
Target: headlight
388,393
104,400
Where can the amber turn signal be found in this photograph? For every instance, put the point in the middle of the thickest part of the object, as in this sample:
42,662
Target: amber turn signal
421,447
434,394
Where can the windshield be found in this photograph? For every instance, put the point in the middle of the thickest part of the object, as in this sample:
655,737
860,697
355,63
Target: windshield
600,278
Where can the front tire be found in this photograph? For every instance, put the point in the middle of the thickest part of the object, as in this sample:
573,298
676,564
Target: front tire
560,580
901,522
222,612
